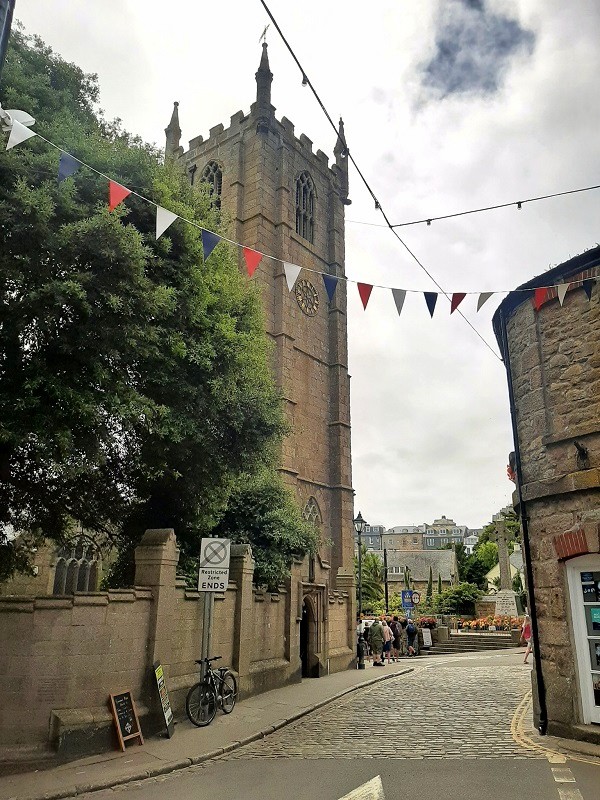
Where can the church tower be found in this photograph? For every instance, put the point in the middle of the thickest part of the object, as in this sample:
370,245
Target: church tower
287,201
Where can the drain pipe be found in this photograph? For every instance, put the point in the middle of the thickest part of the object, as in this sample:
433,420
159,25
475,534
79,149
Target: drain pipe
541,686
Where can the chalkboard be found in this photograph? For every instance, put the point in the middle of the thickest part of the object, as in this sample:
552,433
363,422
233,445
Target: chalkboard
164,698
126,718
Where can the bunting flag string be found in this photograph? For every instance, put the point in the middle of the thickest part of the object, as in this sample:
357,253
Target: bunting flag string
364,290
457,299
561,292
431,300
253,259
69,164
291,273
399,296
330,282
116,194
164,219
19,133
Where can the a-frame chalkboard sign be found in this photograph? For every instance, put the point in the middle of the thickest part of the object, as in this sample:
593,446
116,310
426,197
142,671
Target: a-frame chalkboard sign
126,718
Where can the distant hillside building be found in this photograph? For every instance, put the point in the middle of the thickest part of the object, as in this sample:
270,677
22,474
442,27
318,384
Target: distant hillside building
442,562
404,537
371,537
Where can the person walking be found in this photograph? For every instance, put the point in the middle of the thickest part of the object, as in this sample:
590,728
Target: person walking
526,636
411,635
388,638
403,637
376,640
396,643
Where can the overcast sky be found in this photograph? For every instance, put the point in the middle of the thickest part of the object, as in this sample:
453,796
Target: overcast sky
448,106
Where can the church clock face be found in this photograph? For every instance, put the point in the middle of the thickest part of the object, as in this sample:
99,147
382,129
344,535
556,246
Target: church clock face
307,297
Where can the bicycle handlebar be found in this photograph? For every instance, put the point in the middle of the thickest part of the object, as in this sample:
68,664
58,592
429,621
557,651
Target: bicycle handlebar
208,660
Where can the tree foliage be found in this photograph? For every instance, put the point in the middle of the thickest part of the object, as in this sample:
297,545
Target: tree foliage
134,379
372,579
261,511
459,599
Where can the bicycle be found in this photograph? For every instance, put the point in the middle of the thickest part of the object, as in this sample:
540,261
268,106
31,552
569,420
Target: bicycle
218,688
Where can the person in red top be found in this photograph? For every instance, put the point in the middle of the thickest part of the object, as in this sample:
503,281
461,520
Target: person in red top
526,636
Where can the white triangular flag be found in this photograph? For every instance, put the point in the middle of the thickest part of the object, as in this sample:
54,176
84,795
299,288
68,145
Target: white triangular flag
561,291
399,298
164,218
19,133
482,298
291,273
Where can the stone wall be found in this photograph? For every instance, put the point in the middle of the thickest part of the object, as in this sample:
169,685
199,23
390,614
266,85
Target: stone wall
554,356
61,657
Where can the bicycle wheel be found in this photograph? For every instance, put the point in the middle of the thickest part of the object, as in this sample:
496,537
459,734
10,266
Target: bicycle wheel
201,704
228,692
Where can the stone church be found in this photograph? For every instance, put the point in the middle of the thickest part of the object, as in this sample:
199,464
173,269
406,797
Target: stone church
286,201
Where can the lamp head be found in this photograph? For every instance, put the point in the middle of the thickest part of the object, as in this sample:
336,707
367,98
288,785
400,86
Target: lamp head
359,523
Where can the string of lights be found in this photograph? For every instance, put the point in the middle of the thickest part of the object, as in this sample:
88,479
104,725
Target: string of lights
307,82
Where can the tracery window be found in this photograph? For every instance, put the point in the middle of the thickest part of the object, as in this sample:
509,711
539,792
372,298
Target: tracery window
77,568
312,514
213,175
305,207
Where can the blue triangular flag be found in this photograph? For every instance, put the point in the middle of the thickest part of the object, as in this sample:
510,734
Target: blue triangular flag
431,300
67,166
330,282
209,242
588,285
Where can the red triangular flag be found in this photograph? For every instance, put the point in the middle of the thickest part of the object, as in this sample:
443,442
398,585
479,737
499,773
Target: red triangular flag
457,299
364,290
116,194
252,260
539,297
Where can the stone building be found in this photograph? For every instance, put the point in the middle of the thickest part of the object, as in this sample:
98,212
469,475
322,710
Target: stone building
442,562
550,342
286,201
403,537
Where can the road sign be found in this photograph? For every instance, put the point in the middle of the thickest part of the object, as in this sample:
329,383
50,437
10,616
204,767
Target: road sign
407,598
416,598
213,575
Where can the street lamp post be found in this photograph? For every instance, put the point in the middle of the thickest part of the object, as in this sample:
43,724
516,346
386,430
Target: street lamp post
359,526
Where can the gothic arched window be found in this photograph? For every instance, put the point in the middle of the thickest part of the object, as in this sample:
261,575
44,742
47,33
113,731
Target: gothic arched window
312,514
305,207
77,568
213,175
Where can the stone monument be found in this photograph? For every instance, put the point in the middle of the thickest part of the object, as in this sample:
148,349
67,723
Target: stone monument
506,599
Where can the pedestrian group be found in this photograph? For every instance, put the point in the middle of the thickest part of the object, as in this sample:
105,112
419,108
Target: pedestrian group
390,638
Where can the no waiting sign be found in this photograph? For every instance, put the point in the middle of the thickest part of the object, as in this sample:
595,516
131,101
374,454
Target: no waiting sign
213,575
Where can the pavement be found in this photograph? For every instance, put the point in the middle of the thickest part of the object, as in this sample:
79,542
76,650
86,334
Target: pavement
253,718
354,710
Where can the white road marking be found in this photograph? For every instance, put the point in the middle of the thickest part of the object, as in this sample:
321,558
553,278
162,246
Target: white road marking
557,758
373,790
563,775
569,794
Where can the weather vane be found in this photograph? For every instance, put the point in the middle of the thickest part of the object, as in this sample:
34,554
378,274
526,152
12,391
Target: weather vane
263,36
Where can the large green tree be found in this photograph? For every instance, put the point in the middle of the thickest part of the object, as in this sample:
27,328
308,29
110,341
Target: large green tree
372,578
134,378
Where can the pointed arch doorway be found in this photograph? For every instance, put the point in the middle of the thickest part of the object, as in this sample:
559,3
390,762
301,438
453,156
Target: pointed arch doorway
308,639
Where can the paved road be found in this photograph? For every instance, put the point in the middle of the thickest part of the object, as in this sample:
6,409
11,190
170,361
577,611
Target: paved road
445,730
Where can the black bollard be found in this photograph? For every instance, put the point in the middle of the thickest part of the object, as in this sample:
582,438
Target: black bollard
360,651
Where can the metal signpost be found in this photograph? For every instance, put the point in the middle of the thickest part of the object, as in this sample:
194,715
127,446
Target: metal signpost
407,599
213,576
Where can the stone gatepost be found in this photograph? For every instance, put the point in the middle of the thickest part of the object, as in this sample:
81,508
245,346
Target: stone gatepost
156,559
345,583
241,571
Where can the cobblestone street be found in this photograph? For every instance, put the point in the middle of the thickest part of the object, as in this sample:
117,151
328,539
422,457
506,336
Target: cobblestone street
456,711
443,730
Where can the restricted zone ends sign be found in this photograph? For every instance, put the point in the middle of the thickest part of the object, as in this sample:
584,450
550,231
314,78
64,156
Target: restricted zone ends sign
213,575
